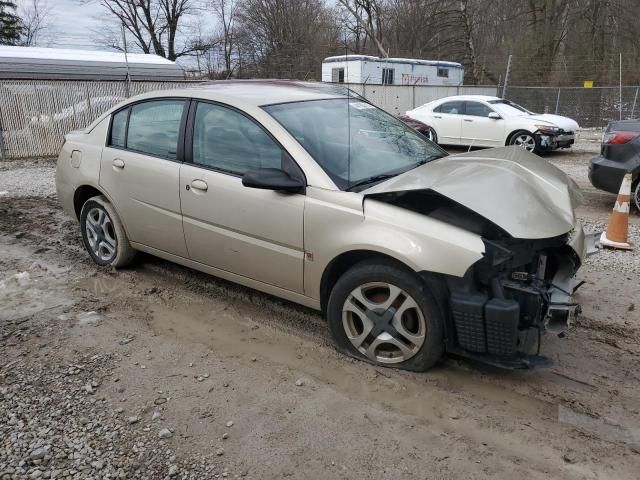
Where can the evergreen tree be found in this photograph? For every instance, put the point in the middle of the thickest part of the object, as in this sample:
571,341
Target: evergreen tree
10,25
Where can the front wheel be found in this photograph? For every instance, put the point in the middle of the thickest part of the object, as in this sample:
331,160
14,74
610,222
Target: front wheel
526,140
384,314
103,234
636,195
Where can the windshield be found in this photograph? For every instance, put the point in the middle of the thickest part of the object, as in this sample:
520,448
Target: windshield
354,142
508,108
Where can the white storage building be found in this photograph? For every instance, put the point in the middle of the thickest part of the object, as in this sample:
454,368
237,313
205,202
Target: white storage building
391,71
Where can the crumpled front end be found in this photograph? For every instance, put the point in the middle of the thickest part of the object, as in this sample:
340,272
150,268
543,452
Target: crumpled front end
521,289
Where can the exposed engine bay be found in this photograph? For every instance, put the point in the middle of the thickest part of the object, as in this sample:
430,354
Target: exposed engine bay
500,309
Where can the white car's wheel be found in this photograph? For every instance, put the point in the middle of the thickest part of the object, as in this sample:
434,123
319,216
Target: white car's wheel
525,140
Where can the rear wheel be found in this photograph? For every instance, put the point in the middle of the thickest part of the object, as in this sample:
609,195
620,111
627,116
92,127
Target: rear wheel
636,195
384,314
431,135
103,234
525,140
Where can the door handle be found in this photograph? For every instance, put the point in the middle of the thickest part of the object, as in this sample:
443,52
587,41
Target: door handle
437,116
468,120
118,163
200,185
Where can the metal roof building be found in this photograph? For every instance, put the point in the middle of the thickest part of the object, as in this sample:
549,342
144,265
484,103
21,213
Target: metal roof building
61,64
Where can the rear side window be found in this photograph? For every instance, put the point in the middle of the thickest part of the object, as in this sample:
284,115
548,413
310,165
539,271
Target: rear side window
119,128
452,108
226,140
154,128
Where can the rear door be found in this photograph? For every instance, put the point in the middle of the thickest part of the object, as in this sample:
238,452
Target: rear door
478,129
448,122
246,231
140,171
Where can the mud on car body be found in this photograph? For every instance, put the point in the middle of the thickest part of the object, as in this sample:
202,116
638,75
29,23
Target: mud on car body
522,287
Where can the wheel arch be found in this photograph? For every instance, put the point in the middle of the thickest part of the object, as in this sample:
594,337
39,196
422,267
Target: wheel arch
343,262
518,130
81,195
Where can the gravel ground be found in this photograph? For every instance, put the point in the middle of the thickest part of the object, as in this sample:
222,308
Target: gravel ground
159,371
27,177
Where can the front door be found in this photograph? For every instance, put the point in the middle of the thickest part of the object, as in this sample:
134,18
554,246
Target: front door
140,173
480,130
250,232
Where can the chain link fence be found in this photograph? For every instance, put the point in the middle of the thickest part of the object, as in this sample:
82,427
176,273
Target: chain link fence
590,107
35,115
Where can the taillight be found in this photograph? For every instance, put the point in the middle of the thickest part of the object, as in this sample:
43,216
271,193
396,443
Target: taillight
618,138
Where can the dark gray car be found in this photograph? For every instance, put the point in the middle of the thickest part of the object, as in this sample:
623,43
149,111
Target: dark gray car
619,154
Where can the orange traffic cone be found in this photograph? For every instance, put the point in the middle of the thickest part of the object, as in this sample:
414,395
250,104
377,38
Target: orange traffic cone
615,236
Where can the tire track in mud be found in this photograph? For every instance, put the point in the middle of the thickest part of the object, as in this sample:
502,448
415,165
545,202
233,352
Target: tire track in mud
40,222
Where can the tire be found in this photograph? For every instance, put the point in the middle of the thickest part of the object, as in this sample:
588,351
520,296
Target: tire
103,235
411,341
526,140
431,135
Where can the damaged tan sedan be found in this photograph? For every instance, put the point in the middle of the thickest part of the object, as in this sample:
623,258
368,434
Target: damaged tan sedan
314,195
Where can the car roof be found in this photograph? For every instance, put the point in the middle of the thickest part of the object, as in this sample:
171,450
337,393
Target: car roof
485,98
258,92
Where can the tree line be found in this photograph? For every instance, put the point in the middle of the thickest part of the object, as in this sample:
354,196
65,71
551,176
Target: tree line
552,42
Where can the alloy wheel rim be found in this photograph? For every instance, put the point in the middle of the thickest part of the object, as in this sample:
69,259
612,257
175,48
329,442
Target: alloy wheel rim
525,141
636,196
101,234
383,322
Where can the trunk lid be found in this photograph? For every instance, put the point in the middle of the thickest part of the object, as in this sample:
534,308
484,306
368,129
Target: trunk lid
520,192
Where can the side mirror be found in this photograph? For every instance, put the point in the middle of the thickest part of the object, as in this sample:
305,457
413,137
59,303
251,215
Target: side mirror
494,116
272,179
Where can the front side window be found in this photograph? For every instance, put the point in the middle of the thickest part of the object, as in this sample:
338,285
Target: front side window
477,109
387,76
226,140
353,141
452,108
154,127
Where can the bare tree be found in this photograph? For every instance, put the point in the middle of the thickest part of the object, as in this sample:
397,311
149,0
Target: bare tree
226,11
35,16
286,38
368,14
154,24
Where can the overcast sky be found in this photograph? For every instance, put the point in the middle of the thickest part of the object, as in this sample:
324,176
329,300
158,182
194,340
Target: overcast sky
71,23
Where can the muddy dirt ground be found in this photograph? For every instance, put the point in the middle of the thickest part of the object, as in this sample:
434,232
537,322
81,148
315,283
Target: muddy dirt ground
159,371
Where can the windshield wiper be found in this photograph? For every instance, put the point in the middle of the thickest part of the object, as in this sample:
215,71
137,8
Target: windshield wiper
373,179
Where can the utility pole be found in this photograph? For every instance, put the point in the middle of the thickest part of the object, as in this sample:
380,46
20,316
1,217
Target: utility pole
507,74
126,61
620,85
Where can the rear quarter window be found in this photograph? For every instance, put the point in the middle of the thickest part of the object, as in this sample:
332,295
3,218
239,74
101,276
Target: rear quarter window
119,129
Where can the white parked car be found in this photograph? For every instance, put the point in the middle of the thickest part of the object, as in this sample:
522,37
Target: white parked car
484,121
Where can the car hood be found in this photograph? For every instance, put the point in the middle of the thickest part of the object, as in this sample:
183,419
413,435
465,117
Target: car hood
567,124
520,192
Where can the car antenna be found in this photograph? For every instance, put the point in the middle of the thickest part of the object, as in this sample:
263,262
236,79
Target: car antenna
346,71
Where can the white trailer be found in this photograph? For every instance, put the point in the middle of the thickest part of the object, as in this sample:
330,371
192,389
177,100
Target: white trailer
391,71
